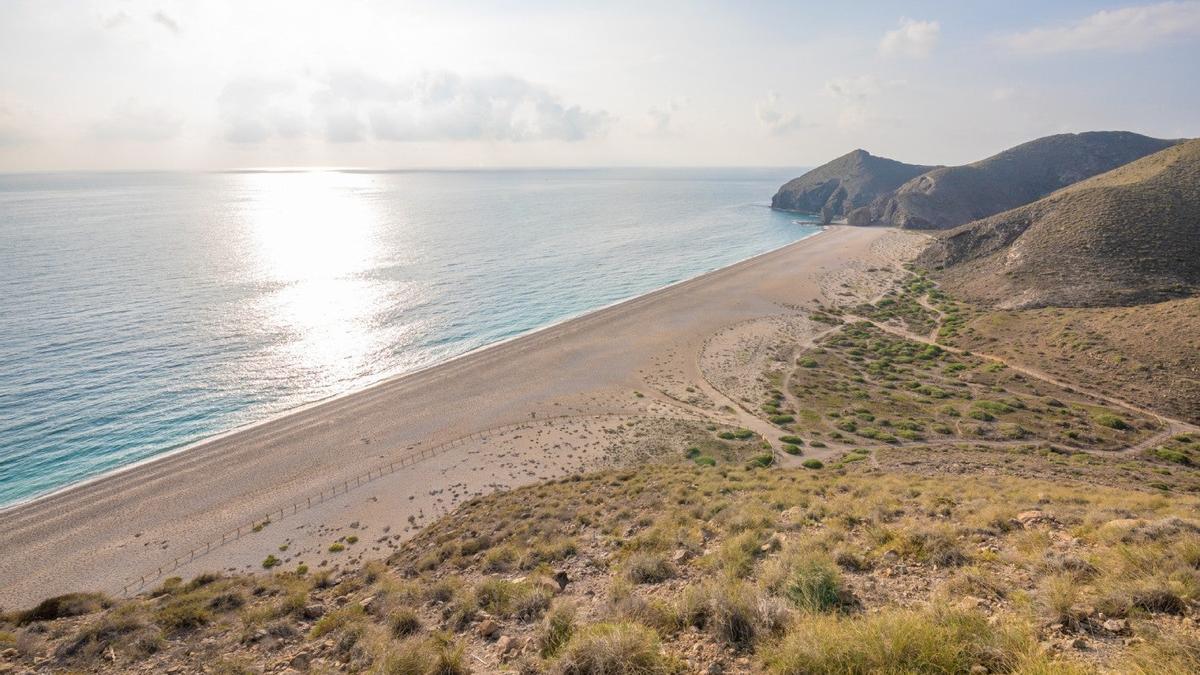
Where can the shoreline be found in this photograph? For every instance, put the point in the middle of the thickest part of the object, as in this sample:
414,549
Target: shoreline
384,380
627,361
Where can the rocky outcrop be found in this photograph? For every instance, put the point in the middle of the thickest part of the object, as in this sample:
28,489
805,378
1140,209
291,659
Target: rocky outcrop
848,182
950,196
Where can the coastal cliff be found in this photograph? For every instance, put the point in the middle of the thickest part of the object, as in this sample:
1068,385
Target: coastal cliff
851,181
950,196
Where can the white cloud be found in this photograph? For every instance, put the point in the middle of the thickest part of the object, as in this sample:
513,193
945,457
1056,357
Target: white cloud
774,119
163,19
255,109
660,119
915,39
132,120
854,95
445,106
349,105
1124,29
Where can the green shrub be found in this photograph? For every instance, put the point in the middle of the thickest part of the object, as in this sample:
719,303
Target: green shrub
1172,456
908,641
63,606
815,585
404,622
782,419
613,649
761,461
791,449
1111,421
557,629
994,407
813,464
705,460
793,440
648,568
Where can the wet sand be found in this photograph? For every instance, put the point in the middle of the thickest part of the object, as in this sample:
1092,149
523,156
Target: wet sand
615,386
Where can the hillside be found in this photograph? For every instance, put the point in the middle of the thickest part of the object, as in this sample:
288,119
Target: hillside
949,196
844,184
1129,236
1148,354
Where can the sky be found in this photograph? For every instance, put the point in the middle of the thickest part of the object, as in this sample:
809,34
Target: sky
165,84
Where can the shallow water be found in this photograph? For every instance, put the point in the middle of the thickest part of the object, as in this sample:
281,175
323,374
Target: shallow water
141,312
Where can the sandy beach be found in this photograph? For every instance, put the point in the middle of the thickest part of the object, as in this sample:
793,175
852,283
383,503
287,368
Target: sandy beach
612,387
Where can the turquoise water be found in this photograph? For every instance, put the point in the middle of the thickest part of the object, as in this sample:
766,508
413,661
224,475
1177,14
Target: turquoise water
142,312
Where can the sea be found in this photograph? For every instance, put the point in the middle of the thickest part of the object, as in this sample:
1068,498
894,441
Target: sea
142,312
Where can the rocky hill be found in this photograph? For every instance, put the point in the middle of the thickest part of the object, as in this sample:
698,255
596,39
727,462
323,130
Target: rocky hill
950,196
848,182
1128,236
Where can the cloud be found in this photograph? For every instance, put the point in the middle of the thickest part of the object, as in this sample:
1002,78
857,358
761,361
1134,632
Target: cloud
255,109
163,19
115,20
1124,29
132,120
659,119
914,39
854,94
346,106
774,119
444,106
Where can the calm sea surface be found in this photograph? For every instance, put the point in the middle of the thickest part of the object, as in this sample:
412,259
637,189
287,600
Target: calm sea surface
142,312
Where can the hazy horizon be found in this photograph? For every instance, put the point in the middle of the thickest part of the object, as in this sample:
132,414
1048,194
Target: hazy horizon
167,85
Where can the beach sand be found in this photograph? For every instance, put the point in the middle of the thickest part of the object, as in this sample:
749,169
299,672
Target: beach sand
617,386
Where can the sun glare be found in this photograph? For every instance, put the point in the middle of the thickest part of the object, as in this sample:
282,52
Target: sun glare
314,239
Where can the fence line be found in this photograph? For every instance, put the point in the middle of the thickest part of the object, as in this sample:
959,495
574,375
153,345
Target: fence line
345,486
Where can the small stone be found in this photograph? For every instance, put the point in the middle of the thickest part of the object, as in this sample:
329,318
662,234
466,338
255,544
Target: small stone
679,555
561,578
314,611
1115,625
715,668
9,653
891,556
505,644
301,661
1079,643
971,602
488,628
979,669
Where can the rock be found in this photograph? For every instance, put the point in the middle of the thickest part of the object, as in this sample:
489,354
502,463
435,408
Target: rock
505,644
715,668
301,661
549,585
1034,517
488,629
971,602
561,578
979,669
679,555
1116,625
891,556
313,611
1079,643
9,653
